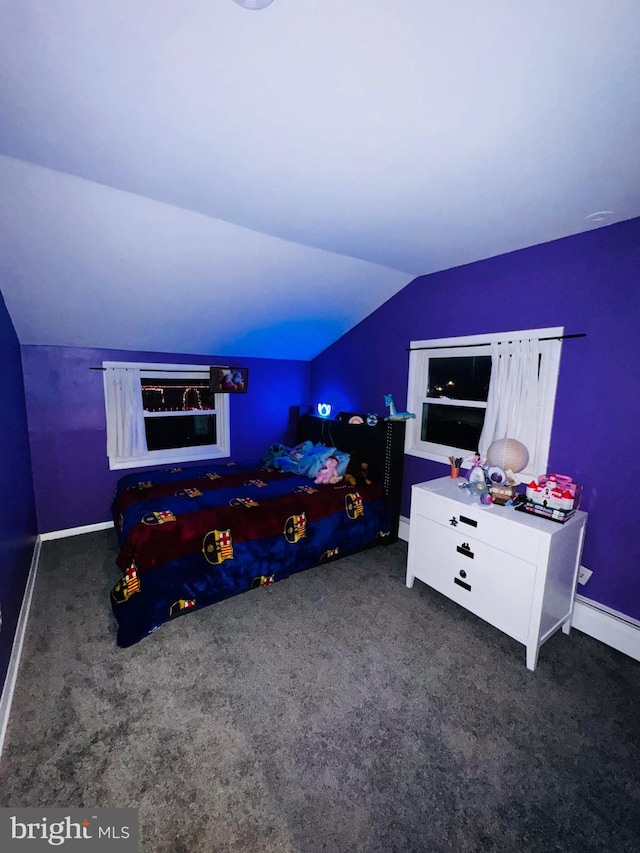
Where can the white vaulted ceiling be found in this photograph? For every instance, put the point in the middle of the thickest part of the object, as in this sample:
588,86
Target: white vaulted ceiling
191,176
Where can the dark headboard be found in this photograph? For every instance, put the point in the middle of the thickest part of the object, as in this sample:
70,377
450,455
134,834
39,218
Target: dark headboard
382,445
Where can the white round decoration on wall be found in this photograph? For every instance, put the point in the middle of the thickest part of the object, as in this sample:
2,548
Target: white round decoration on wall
254,4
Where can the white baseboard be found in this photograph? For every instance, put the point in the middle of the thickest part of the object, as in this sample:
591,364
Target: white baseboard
615,629
403,528
76,531
18,641
610,627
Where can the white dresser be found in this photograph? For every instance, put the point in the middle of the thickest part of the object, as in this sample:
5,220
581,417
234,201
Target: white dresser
514,570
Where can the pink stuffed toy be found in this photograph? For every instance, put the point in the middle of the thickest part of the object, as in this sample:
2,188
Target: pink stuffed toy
329,471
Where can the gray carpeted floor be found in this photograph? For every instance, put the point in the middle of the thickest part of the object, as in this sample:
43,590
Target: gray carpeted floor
335,711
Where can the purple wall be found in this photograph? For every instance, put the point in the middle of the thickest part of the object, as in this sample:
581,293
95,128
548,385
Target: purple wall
18,518
65,403
587,283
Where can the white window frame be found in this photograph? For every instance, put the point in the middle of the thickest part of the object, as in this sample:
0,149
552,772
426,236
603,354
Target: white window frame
469,346
222,448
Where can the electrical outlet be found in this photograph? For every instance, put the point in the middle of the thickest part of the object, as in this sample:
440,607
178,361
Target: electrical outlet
584,574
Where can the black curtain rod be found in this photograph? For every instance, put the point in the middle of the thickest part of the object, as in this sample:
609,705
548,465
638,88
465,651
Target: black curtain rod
204,367
488,343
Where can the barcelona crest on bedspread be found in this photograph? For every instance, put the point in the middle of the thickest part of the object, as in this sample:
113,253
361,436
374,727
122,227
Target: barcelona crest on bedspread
196,536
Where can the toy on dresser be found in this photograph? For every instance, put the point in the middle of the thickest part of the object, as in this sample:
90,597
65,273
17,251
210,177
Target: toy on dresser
555,497
493,480
477,484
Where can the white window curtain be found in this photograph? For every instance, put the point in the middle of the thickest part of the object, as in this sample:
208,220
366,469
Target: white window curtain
513,399
126,437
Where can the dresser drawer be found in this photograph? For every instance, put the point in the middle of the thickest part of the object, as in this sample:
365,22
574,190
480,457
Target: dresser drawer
483,524
496,586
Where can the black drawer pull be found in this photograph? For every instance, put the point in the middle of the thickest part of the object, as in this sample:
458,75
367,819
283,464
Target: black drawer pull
471,521
464,585
465,550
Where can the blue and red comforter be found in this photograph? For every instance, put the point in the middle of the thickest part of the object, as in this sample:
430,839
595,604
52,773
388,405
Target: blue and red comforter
195,536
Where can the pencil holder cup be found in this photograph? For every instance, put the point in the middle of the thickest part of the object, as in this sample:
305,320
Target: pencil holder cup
455,473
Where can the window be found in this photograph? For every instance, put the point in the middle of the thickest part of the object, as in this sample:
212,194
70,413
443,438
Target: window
163,413
449,391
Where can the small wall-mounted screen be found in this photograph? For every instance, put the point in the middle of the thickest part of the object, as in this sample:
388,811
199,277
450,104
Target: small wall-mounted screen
229,380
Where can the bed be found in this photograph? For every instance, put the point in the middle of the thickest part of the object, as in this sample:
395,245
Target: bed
194,536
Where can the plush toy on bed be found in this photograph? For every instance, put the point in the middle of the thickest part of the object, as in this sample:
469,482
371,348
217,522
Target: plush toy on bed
329,471
274,451
358,471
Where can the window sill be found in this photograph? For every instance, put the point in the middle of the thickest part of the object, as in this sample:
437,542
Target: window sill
443,458
167,458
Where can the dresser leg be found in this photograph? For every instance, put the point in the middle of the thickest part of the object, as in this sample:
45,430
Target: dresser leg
532,656
410,580
566,626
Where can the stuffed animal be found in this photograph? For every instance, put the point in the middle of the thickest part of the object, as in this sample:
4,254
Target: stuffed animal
329,471
358,471
274,451
479,490
477,472
393,414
